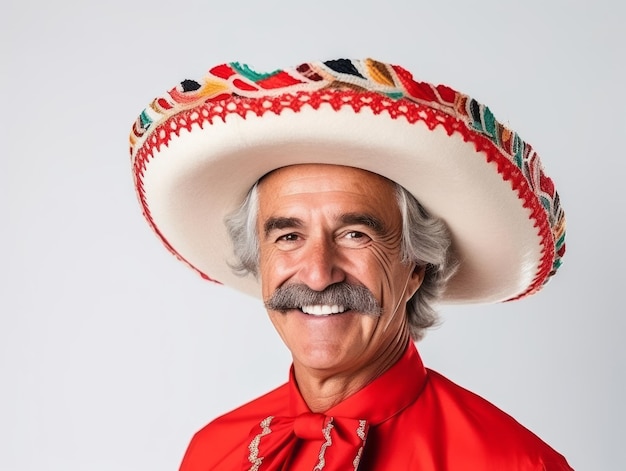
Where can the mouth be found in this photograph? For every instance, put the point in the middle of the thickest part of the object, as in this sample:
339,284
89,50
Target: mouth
323,309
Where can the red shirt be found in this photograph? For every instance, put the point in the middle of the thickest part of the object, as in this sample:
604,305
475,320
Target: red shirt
409,418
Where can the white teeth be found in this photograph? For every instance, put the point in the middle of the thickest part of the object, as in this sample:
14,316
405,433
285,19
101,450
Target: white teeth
323,310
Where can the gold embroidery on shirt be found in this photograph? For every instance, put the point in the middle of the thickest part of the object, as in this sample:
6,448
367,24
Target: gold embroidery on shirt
253,457
361,434
322,461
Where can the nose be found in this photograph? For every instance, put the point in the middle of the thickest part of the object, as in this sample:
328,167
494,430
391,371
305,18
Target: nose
320,264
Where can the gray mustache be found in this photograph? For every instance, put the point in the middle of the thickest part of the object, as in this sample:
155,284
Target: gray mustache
353,297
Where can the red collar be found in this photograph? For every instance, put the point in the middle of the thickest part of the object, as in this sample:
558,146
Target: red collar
387,395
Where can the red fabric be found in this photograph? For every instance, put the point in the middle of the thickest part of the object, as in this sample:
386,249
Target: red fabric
415,419
339,441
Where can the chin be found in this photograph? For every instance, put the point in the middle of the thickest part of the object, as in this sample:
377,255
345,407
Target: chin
322,357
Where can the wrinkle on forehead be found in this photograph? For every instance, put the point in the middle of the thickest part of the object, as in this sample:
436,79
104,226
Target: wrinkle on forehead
290,196
304,178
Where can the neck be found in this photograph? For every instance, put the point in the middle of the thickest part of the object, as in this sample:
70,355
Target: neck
322,389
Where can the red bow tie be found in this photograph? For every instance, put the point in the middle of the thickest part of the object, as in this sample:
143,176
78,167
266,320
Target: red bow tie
272,442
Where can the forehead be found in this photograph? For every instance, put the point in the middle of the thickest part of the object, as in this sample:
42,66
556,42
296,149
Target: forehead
312,180
301,194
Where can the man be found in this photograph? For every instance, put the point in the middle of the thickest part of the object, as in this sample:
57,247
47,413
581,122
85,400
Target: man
369,197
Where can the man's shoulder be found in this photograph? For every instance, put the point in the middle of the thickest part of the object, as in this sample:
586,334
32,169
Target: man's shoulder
250,414
473,423
460,403
221,443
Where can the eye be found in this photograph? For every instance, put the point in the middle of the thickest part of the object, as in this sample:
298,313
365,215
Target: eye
355,235
291,237
354,239
289,241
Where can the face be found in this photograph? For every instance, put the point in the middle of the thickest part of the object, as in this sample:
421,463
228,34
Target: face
319,225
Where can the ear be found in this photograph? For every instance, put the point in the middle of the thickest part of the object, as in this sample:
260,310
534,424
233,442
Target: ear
416,278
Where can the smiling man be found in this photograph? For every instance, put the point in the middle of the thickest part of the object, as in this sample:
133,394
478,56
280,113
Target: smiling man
327,227
354,199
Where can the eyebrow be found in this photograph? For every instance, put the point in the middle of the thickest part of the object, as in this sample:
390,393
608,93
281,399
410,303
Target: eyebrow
278,223
364,220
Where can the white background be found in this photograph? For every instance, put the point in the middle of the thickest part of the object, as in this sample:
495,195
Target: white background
112,353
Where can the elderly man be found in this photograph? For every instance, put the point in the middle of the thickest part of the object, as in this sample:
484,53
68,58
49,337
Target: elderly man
370,197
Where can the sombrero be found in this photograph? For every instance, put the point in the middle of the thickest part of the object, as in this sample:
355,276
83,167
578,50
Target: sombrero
197,150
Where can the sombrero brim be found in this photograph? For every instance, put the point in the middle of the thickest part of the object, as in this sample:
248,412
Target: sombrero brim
196,164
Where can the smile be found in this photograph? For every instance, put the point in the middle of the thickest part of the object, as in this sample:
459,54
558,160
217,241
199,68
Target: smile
322,309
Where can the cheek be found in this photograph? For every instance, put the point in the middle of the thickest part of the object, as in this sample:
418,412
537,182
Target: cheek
274,268
387,250
385,260
383,273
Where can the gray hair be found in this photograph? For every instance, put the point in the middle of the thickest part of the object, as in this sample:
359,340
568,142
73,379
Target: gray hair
426,243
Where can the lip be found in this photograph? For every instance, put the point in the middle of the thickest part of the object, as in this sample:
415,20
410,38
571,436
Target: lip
321,317
313,316
335,314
